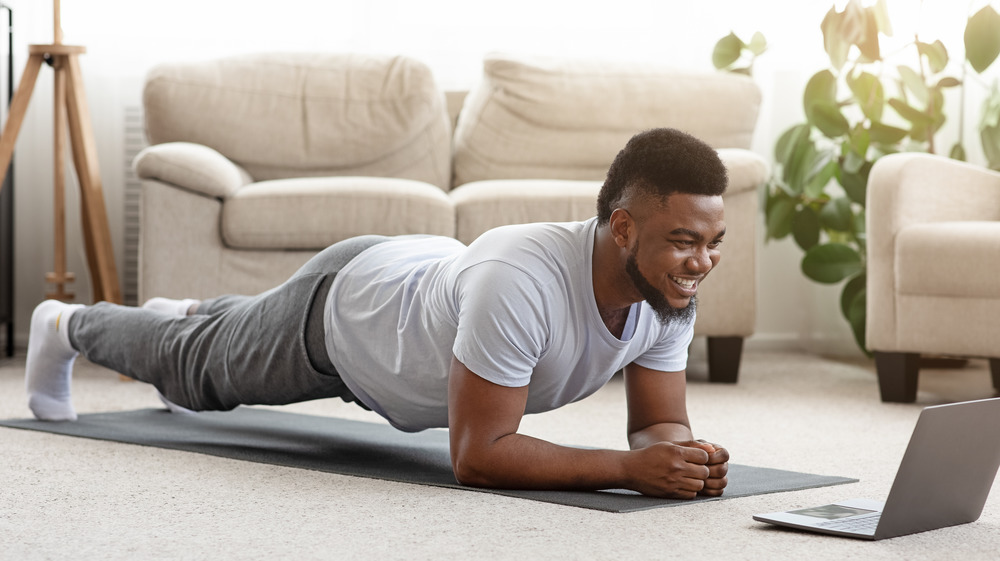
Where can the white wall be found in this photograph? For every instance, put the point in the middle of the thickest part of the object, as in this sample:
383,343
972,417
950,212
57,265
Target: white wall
125,37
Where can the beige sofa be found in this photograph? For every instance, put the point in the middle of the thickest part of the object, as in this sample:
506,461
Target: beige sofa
257,162
933,243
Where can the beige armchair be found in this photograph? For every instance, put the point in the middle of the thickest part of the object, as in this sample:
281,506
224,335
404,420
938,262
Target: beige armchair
933,266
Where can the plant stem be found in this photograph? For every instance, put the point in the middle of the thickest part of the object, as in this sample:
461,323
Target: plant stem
923,76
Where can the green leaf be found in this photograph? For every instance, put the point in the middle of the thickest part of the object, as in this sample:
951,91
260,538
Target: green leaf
831,263
935,109
780,210
857,314
820,89
856,184
990,116
796,171
914,83
936,53
882,21
982,38
851,289
990,138
868,45
727,51
948,82
806,228
852,162
836,215
828,119
869,93
789,142
824,168
859,229
758,44
920,133
957,152
989,128
860,140
991,147
911,114
886,134
779,217
834,42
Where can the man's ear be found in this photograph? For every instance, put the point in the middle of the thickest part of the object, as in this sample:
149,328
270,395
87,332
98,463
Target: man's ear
622,227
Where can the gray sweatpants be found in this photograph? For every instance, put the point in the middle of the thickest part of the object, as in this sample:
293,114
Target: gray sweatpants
265,349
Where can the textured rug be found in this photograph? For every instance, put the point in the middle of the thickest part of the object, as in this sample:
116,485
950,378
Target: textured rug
365,449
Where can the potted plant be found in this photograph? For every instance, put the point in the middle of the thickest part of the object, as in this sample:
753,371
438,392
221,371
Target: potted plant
865,105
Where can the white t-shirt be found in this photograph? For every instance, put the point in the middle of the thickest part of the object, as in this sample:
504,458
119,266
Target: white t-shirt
516,307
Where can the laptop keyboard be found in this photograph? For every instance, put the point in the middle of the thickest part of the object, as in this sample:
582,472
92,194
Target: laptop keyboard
864,524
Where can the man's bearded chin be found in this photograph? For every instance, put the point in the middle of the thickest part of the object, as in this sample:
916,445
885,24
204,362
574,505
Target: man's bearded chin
656,300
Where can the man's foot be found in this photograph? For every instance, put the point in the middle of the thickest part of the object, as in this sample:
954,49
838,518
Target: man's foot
49,370
183,307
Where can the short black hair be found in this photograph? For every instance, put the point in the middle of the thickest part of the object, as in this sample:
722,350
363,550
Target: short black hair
658,163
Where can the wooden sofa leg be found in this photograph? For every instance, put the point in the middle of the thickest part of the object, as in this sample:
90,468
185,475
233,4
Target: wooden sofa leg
897,376
995,372
724,355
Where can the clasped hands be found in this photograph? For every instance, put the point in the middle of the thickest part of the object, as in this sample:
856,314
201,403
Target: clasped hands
681,470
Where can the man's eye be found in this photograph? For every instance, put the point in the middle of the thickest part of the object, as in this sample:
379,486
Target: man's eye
715,244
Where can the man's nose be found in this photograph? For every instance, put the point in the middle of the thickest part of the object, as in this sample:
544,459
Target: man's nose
700,261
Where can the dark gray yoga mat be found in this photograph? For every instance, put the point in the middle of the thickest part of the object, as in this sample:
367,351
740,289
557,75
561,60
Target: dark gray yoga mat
364,449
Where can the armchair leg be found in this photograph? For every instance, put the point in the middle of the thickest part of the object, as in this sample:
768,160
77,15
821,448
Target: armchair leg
724,355
995,372
897,376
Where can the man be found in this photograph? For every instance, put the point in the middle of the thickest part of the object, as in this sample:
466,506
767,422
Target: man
429,333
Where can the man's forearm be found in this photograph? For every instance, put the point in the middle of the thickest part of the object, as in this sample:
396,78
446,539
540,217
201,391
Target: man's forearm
524,462
660,432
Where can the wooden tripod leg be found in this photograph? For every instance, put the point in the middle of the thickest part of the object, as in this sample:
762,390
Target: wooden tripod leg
95,218
18,107
59,276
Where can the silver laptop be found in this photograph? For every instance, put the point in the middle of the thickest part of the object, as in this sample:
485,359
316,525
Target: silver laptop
944,479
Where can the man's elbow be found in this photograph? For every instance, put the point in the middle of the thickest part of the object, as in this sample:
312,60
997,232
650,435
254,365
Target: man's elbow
471,471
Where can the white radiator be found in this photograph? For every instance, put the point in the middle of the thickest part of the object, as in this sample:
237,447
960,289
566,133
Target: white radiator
135,141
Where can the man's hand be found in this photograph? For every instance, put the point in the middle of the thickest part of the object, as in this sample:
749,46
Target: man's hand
658,417
679,470
718,467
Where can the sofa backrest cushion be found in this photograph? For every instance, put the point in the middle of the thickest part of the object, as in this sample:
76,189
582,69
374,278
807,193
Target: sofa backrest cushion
283,115
546,118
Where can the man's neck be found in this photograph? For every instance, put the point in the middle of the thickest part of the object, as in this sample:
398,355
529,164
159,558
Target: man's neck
608,279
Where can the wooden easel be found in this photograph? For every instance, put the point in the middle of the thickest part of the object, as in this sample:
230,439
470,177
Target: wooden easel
70,111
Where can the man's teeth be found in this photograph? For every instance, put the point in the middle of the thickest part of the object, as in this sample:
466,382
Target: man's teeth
686,283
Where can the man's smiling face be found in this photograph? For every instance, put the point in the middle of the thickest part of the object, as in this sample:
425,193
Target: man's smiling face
676,246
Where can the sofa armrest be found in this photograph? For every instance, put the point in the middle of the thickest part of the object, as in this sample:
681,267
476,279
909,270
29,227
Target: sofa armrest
907,189
747,170
193,167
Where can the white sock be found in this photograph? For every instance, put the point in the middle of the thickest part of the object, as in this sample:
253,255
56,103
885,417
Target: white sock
49,370
172,307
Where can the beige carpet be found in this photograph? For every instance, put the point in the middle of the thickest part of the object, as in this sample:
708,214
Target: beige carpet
69,498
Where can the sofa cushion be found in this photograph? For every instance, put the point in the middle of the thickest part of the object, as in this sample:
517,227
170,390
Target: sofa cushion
483,205
281,115
949,259
567,119
312,213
